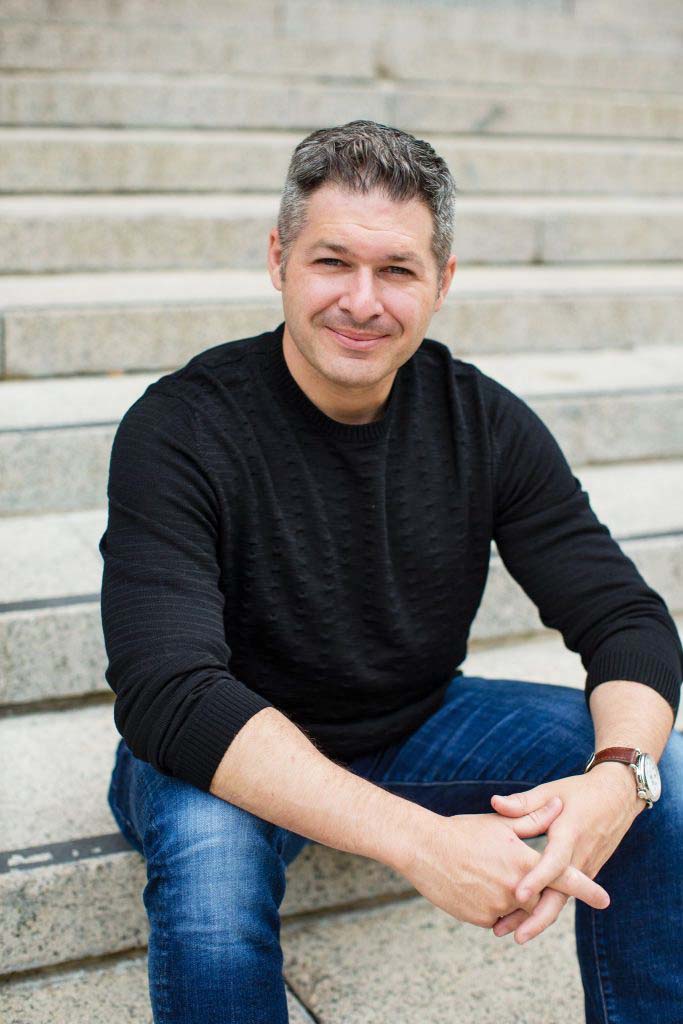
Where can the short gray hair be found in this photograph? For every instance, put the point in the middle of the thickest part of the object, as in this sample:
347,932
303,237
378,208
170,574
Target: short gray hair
360,156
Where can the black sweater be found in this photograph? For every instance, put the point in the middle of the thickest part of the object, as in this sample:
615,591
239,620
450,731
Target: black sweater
260,553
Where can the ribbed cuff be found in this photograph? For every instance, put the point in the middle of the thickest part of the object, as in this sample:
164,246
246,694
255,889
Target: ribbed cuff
637,666
211,728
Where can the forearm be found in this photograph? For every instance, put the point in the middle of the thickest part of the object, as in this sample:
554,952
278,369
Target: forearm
273,770
629,714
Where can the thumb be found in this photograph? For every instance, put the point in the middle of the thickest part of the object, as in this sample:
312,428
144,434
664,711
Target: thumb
538,821
517,804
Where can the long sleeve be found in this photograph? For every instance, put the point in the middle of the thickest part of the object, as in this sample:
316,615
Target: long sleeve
177,704
566,560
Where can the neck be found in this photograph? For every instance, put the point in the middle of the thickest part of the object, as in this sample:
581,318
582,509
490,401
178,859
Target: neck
343,403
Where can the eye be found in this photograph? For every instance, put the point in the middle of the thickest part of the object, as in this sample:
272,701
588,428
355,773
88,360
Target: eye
401,270
327,259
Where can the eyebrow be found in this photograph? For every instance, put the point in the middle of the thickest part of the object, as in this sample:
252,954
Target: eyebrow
393,257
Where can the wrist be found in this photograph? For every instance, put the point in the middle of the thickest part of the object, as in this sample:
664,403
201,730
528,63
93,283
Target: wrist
412,825
620,779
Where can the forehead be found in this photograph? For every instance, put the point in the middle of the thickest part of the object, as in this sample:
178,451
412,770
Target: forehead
372,219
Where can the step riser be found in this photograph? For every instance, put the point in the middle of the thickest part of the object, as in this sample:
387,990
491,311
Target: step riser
65,470
54,45
44,244
396,51
35,100
58,652
62,342
55,161
451,61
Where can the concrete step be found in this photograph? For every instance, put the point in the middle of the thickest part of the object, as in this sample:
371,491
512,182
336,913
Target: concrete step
49,234
70,884
50,625
611,405
116,992
120,160
121,100
602,21
387,46
153,320
632,14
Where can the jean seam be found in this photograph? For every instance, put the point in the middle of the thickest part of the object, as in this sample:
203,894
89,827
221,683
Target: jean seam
603,997
160,984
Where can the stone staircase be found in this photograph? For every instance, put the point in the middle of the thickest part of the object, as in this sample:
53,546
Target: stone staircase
143,147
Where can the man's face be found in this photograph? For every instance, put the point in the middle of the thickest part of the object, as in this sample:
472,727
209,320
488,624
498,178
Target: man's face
361,270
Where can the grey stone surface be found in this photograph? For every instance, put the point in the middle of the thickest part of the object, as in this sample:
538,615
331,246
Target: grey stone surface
413,961
52,652
69,911
100,160
90,323
98,99
626,426
117,993
48,235
403,58
49,470
50,556
308,45
54,44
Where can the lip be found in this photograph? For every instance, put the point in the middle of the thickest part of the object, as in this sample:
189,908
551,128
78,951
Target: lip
362,344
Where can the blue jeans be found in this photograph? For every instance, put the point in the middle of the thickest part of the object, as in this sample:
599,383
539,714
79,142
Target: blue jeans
216,872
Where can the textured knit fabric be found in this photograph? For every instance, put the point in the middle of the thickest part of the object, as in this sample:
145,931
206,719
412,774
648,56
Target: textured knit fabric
259,553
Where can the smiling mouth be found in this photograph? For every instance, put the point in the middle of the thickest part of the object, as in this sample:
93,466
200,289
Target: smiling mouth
355,341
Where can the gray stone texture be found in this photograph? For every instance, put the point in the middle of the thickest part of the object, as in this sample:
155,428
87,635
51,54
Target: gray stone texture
412,961
39,235
100,160
100,99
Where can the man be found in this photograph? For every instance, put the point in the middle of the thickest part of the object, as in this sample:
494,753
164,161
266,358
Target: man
299,534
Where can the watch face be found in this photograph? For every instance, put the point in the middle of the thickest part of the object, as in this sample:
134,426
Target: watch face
651,774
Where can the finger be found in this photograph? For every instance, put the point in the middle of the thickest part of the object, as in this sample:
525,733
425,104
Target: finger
574,883
545,913
507,924
537,821
516,804
555,859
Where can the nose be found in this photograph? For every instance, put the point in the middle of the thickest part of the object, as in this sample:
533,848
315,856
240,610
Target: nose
360,298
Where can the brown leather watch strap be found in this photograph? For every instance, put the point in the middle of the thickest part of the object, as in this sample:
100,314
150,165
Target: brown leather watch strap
628,755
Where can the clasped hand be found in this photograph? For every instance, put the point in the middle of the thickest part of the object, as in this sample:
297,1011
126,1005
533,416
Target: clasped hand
595,812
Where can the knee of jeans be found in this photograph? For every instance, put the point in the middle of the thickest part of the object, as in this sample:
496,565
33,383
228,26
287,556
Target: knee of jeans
212,863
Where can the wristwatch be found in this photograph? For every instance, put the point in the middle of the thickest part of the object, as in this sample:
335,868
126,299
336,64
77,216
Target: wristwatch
648,782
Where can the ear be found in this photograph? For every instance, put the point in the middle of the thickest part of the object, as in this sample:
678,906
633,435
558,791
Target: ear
446,279
275,259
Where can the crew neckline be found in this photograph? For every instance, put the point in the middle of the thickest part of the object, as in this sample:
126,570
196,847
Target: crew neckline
288,388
